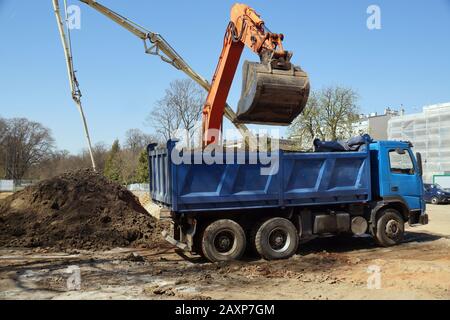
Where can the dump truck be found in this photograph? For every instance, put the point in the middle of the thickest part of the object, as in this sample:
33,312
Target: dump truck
219,210
223,201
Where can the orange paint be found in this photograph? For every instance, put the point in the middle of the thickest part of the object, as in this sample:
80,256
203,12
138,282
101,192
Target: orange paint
249,30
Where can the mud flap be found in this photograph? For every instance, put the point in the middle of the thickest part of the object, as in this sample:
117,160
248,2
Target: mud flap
182,238
172,241
418,218
272,96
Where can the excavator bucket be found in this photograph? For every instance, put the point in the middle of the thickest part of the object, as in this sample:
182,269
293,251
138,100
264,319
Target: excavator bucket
272,96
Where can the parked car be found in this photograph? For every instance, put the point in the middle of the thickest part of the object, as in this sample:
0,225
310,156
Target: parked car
435,194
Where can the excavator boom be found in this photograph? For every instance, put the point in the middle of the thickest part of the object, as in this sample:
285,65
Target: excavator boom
274,91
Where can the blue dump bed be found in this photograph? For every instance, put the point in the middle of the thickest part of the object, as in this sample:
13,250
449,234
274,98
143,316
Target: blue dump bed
300,179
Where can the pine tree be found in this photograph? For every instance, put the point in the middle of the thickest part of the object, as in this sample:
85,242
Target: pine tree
142,169
113,163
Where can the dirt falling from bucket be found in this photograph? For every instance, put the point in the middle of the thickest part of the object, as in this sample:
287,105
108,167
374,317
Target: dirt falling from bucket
77,210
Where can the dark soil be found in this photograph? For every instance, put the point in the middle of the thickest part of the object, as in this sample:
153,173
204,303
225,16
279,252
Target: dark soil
77,210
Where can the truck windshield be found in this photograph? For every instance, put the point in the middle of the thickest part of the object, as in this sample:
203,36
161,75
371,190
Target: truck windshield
401,163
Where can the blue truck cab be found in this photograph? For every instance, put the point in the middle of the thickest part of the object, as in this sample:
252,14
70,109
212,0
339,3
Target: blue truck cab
219,209
397,176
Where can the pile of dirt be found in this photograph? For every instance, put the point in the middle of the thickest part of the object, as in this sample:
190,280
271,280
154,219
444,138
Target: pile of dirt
77,210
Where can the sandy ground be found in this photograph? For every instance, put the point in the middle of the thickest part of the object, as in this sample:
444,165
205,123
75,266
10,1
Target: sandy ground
328,268
4,195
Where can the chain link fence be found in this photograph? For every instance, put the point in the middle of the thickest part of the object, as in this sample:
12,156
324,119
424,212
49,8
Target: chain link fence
139,187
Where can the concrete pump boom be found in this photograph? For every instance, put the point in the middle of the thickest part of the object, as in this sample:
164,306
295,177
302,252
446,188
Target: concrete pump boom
76,93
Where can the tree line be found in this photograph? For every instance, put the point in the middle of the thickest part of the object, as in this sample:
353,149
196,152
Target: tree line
23,144
27,148
27,151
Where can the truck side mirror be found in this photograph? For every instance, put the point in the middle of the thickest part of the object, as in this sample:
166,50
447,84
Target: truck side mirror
419,164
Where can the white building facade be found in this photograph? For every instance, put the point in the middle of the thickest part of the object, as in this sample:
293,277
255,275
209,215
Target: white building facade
376,125
429,132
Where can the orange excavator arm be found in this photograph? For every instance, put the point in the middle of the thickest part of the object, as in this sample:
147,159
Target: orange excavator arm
246,28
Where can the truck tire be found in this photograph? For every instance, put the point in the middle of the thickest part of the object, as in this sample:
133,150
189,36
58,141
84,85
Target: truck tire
434,200
223,240
390,228
277,238
251,235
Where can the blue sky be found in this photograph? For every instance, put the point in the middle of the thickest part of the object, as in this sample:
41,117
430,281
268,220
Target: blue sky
407,62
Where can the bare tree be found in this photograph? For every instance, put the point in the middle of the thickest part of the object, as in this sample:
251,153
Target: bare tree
308,125
129,166
329,115
25,144
100,153
3,128
187,98
56,163
164,120
61,161
136,140
339,111
179,109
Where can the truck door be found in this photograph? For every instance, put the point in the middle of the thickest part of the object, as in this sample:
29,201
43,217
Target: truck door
404,179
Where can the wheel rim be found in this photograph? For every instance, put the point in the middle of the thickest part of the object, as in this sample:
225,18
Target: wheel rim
434,201
224,241
393,229
279,240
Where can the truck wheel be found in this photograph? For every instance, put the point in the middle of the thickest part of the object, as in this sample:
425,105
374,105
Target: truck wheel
223,240
434,200
277,238
390,228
